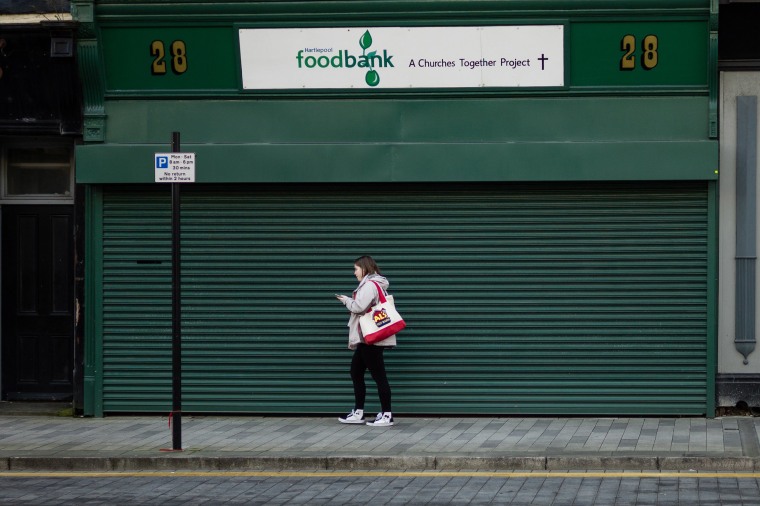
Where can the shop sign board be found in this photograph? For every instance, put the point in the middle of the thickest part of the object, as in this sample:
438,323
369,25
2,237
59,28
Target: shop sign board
650,56
403,57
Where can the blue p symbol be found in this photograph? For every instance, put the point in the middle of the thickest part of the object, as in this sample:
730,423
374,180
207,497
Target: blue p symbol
162,162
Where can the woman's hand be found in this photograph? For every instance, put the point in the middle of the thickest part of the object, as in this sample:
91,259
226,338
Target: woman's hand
341,298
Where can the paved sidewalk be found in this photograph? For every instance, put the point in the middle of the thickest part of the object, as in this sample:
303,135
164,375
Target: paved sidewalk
272,443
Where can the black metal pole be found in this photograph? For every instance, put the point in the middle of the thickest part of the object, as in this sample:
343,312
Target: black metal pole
176,311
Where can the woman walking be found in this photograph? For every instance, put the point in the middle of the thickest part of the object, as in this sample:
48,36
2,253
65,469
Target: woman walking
367,356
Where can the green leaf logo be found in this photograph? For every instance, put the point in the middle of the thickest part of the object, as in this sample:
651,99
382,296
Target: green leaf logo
366,40
372,78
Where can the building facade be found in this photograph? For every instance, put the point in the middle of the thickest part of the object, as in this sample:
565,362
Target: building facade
738,380
538,180
41,270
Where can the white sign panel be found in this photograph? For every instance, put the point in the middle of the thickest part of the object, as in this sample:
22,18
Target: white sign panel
408,57
175,167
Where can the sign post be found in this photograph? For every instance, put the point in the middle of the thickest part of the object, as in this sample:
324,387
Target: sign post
176,311
175,168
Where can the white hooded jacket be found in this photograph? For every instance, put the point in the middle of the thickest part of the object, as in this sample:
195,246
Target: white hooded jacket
365,296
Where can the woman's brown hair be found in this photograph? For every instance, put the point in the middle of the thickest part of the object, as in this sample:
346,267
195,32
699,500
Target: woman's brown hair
367,264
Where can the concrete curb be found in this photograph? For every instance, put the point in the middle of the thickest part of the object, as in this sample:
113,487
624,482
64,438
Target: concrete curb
456,463
711,463
597,463
406,463
392,463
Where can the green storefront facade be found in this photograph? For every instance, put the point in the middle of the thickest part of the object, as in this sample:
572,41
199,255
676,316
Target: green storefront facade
551,239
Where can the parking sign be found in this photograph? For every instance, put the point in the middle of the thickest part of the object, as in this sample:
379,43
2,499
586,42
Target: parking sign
175,167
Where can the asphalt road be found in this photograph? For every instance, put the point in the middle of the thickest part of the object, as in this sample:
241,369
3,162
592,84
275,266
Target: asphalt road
378,488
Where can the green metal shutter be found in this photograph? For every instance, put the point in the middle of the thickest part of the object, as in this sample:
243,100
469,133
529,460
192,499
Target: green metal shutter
520,299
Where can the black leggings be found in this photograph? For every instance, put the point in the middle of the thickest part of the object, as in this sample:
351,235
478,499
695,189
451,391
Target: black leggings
370,357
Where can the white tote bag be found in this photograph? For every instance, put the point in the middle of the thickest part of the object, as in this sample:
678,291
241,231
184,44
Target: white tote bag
382,320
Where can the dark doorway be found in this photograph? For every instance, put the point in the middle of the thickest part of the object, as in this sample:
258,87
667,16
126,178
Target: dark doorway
37,302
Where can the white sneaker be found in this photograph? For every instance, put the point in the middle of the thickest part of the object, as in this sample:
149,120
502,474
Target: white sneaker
382,420
355,416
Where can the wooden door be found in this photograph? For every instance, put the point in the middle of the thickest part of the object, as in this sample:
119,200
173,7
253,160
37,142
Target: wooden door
37,302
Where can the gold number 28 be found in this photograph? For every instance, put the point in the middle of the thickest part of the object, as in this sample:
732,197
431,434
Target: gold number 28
649,55
178,53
